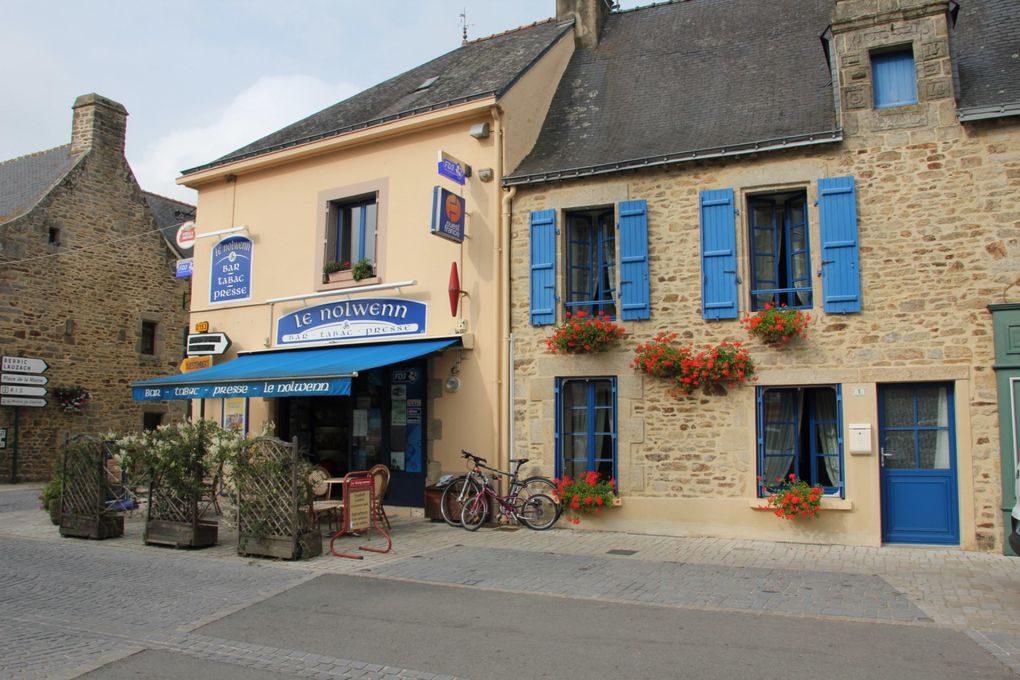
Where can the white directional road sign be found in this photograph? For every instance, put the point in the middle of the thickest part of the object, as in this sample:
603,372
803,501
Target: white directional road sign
207,343
23,379
21,401
23,365
22,391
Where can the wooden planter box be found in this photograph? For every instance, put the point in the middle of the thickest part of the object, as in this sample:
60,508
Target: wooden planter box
92,526
305,546
180,534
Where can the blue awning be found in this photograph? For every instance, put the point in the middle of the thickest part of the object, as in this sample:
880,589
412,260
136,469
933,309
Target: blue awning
322,371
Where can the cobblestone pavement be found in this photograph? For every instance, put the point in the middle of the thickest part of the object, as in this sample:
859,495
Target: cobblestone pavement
116,611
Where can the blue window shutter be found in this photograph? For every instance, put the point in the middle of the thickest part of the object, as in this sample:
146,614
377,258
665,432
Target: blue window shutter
718,255
894,78
633,245
543,267
841,276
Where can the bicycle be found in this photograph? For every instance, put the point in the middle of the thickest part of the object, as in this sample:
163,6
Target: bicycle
459,489
536,511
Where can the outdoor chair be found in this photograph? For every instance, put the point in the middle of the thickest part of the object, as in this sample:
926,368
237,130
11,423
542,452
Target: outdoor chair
380,481
322,504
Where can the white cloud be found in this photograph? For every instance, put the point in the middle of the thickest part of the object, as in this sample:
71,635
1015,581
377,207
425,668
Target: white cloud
269,104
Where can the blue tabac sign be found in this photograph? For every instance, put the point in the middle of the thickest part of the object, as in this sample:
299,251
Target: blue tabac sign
352,319
230,278
270,389
447,215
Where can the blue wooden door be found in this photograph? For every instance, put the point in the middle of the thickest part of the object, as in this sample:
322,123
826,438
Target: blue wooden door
918,461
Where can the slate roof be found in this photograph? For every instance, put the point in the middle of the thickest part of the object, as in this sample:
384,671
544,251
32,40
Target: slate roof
169,214
479,69
686,80
27,179
986,55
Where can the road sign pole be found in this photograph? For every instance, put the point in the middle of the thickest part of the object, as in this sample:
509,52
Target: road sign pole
14,449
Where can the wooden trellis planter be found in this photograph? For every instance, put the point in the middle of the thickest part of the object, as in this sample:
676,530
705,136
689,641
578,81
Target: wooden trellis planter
273,498
179,520
86,488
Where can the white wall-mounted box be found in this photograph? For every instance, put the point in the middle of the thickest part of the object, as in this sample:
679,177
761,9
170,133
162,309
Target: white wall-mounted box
859,441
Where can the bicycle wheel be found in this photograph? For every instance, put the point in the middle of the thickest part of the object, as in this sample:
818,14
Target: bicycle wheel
453,497
538,512
540,485
474,511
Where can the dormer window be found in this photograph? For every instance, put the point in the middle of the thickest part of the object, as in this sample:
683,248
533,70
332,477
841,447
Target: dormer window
894,78
429,82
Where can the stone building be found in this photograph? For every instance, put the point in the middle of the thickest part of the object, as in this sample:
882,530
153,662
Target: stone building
87,285
856,160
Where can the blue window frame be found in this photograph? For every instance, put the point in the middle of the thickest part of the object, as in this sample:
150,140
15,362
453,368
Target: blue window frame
780,252
591,262
586,426
800,431
894,78
352,233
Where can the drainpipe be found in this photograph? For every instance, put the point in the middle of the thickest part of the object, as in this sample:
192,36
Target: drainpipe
505,367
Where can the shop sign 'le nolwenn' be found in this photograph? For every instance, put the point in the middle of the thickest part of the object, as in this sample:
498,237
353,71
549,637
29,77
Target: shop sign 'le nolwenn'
352,319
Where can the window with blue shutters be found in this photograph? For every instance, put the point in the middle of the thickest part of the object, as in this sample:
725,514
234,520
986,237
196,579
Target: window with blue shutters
840,266
586,427
718,255
591,262
800,432
894,78
780,254
605,262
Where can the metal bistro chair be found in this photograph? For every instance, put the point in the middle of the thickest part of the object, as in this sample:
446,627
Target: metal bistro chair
380,481
322,504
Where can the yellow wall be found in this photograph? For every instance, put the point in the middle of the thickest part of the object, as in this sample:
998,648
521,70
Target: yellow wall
282,205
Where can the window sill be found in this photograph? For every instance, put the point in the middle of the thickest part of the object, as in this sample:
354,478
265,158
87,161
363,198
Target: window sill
841,504
349,283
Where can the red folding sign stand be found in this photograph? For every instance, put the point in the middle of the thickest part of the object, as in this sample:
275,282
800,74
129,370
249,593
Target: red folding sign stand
359,514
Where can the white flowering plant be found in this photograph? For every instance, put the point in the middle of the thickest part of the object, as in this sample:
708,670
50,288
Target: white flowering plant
181,456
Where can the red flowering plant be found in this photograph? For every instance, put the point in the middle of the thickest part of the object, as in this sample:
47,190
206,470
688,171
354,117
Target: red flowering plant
792,497
777,325
583,333
660,357
716,364
588,493
72,399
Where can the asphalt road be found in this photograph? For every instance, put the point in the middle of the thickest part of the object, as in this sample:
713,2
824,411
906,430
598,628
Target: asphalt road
474,633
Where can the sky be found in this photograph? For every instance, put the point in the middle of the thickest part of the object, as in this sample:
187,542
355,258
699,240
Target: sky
200,78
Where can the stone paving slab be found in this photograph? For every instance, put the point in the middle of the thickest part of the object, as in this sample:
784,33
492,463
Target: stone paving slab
778,591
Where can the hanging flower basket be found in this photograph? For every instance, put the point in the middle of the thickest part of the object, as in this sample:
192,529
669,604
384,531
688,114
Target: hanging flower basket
709,369
793,497
71,399
582,333
776,326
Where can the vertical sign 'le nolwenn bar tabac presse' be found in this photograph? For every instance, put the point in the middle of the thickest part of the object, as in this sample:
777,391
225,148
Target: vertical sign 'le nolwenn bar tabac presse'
230,275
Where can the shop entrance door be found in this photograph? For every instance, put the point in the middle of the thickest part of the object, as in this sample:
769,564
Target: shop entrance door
918,459
407,435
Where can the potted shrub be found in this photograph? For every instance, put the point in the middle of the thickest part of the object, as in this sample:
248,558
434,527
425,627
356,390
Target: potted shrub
582,333
362,269
776,326
50,498
273,501
337,271
181,462
791,497
590,493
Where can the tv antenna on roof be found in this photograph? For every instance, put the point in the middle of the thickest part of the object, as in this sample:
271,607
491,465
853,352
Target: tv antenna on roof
464,26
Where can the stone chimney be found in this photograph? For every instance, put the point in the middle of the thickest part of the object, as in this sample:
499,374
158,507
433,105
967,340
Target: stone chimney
99,123
588,16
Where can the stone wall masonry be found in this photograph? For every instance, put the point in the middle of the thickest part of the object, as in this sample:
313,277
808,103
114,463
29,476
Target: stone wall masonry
939,234
78,305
